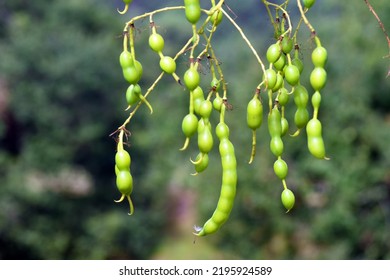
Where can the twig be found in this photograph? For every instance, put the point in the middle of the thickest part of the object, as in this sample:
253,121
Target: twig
381,26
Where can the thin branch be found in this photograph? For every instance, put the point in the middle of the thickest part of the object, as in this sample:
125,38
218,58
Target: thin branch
381,26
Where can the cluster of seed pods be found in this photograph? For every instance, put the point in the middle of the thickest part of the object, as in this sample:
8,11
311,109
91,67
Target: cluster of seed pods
280,80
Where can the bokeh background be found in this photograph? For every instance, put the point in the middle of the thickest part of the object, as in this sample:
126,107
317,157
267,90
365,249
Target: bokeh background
62,93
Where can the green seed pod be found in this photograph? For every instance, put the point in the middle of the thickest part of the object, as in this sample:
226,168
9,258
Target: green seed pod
288,199
202,125
228,190
189,125
156,42
217,17
122,160
287,44
201,165
205,109
274,123
301,117
254,116
308,3
271,78
222,131
283,97
318,78
217,103
281,62
274,52
205,140
298,63
191,78
316,147
319,57
124,182
225,147
316,100
126,60
285,126
133,73
198,98
279,82
314,128
131,96
168,64
192,10
314,139
301,96
277,146
292,74
280,168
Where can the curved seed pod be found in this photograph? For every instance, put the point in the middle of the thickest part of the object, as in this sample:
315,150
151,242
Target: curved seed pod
228,190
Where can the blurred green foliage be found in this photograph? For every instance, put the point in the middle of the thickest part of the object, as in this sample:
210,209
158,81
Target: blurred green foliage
64,94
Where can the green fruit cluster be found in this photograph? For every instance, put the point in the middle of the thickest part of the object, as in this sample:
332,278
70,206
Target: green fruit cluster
280,78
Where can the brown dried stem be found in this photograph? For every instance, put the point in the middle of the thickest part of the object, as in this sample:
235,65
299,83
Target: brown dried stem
381,26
